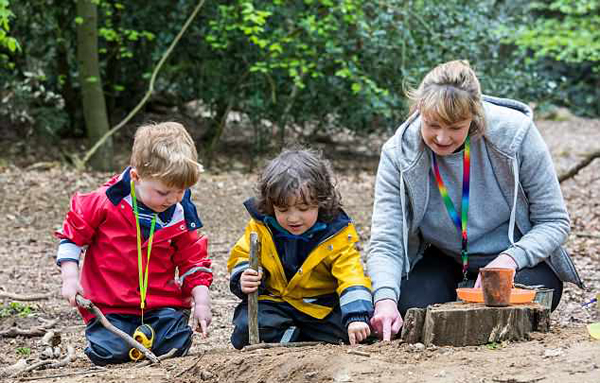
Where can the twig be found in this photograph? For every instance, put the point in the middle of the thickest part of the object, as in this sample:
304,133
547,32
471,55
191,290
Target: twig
149,92
86,304
253,334
32,367
162,357
94,370
190,367
34,331
513,380
259,346
66,360
586,235
360,353
582,164
25,298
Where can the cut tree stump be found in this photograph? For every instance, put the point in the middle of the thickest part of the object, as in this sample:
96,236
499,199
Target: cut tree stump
472,324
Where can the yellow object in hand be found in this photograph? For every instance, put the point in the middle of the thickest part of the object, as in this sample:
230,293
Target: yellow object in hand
144,334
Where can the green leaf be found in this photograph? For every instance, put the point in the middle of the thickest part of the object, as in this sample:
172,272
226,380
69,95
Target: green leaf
79,20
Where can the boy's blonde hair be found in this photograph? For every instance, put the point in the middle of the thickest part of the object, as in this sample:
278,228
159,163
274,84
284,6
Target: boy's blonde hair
450,93
166,152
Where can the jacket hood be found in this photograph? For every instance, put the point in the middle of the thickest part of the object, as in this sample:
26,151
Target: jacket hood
504,126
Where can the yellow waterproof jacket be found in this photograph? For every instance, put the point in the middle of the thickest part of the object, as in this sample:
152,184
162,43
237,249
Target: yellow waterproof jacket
333,266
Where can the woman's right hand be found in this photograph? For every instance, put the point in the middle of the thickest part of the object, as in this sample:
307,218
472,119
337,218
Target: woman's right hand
250,280
386,320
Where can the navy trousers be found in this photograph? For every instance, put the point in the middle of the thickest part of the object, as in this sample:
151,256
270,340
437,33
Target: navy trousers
280,322
170,326
434,279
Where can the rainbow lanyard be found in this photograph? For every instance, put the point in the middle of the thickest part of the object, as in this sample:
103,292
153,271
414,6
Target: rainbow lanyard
143,275
460,223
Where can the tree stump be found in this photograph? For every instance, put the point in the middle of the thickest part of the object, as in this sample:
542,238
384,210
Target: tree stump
471,324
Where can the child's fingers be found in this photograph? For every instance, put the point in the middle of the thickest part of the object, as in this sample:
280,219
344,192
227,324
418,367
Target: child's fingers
352,338
203,328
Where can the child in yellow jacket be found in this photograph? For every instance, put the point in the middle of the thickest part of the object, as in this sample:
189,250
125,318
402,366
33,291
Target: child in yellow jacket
311,284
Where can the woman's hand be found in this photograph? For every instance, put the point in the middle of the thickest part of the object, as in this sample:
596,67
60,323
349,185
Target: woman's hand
503,261
357,332
250,280
386,321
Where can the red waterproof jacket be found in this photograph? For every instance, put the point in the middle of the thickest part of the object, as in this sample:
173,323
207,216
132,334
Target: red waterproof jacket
104,221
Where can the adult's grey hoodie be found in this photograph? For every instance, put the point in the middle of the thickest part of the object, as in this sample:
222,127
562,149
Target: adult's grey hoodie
523,167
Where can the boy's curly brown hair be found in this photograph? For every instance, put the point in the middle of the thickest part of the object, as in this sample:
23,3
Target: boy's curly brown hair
301,173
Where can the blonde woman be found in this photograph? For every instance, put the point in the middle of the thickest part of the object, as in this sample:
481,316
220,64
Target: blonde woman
466,182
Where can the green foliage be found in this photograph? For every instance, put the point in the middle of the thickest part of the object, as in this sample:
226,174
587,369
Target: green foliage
564,36
15,308
6,41
23,351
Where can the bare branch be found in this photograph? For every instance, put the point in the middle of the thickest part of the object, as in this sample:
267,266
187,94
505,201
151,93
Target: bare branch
582,164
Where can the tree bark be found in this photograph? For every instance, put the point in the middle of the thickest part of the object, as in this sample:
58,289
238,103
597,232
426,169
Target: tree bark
94,105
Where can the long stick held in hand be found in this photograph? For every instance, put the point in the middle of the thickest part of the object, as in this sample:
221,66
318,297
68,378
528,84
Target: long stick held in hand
88,305
253,297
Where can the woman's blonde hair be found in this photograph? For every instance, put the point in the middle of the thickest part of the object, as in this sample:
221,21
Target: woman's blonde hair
166,152
450,93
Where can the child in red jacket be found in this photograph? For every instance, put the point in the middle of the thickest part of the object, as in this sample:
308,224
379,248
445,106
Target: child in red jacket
140,231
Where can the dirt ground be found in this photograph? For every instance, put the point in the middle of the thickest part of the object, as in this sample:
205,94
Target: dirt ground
34,198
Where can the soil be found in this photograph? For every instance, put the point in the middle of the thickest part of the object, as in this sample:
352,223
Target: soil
33,201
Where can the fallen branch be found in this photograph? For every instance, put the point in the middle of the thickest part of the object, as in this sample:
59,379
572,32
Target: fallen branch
586,235
359,353
26,297
94,370
48,363
259,346
582,164
190,367
34,331
162,357
88,305
513,380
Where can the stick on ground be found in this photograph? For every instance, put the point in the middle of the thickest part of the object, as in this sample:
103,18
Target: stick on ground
88,305
25,297
259,346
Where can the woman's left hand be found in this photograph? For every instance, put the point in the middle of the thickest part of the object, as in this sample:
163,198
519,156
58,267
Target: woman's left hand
503,261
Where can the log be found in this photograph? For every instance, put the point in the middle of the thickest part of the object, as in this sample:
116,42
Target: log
412,330
471,324
253,335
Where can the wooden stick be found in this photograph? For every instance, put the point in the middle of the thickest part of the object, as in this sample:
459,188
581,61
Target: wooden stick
88,305
359,353
162,357
253,335
66,360
190,367
94,370
259,346
580,165
26,297
34,331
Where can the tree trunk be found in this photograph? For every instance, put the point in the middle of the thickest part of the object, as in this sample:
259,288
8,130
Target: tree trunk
94,106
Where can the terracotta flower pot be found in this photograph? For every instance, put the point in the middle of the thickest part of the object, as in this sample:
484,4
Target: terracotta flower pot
496,284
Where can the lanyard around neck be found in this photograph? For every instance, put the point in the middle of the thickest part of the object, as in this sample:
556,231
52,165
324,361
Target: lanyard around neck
460,223
143,275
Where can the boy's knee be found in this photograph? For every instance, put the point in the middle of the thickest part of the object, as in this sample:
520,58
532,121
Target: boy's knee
102,354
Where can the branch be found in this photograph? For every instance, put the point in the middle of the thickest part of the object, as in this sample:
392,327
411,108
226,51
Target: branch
259,346
88,305
162,357
100,142
34,331
30,297
582,164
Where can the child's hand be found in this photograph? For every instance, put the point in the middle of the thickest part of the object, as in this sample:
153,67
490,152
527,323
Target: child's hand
357,332
70,286
250,280
202,315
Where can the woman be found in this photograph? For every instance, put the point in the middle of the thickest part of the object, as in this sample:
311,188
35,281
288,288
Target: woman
466,182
